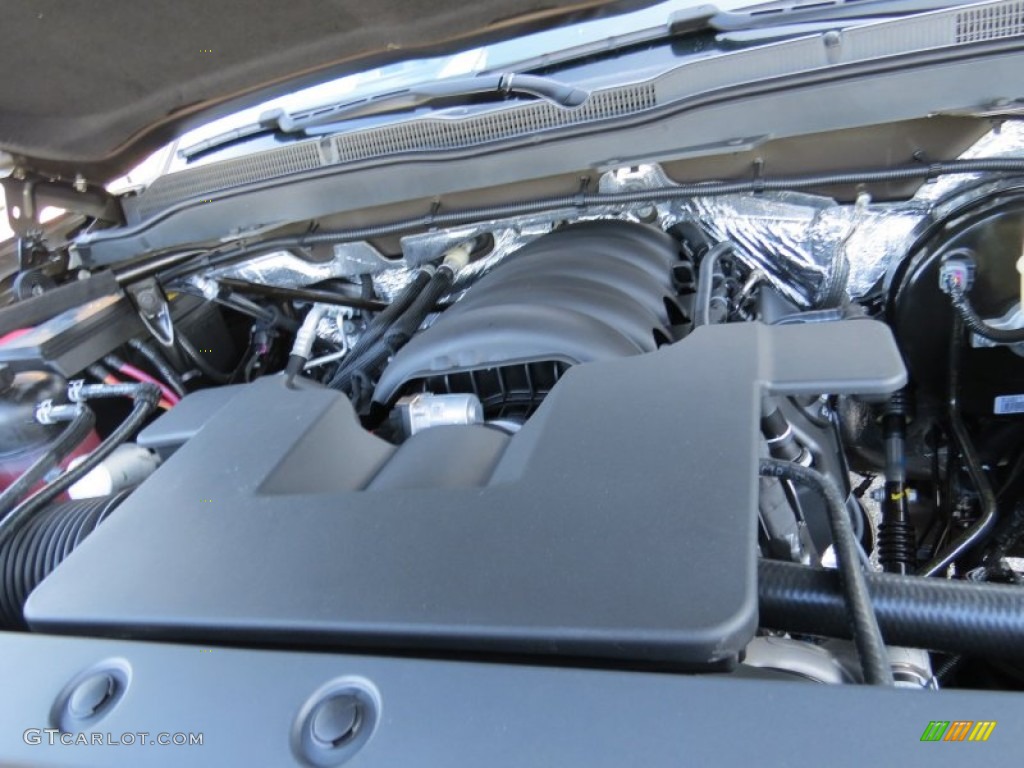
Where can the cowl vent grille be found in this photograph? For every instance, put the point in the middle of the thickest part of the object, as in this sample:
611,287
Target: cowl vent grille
414,136
433,134
990,22
983,22
260,166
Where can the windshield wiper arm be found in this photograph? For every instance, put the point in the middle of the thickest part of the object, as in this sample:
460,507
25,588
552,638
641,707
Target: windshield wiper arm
777,16
786,12
277,121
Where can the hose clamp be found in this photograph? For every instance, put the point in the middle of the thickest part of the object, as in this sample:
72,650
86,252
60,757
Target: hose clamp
44,411
75,390
47,413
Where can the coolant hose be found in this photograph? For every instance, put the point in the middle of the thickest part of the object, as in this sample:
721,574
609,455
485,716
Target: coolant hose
145,397
705,285
410,321
74,433
966,617
380,324
400,331
115,363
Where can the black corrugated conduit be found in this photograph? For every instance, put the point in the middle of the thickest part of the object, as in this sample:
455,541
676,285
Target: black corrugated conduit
859,615
145,397
41,545
972,320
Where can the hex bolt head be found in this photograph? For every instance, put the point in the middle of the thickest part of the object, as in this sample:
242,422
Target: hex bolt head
147,301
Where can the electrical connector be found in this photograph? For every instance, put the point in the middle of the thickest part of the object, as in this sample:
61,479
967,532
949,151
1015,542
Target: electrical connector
956,274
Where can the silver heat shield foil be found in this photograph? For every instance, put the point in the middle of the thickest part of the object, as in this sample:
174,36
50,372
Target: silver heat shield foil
284,268
796,239
801,243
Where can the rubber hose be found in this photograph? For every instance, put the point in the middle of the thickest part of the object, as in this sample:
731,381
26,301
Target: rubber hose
965,617
379,326
373,360
74,433
129,371
874,658
706,280
974,323
160,365
145,396
410,321
401,330
1009,532
312,295
204,367
41,545
980,529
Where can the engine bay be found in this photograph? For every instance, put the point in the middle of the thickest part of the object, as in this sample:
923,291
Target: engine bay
766,432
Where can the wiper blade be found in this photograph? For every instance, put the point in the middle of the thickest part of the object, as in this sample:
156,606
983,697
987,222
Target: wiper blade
456,89
786,12
781,17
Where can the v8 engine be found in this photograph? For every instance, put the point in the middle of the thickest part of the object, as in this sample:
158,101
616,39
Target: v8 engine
592,291
650,436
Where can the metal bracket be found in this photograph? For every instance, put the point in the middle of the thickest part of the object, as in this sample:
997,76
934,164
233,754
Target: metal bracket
27,195
154,310
32,251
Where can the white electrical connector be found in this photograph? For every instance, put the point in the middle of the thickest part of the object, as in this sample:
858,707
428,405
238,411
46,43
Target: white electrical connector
956,274
125,468
457,257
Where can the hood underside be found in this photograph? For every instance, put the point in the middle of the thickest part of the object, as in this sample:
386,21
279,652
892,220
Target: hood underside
91,88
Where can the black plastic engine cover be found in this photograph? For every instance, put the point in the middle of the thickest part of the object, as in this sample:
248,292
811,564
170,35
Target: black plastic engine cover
619,522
